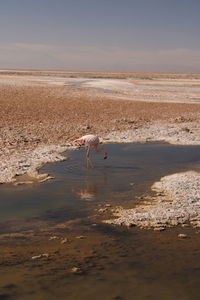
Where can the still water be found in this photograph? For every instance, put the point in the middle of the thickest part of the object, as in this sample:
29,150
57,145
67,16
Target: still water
125,263
130,170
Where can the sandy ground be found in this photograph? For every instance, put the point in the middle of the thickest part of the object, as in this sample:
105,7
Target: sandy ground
42,112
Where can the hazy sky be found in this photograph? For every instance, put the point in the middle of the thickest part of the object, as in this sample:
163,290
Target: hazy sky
105,35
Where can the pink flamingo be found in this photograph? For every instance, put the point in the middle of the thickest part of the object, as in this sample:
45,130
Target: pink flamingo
89,141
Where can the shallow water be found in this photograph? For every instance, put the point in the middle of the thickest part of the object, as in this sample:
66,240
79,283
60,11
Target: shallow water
118,263
129,171
83,84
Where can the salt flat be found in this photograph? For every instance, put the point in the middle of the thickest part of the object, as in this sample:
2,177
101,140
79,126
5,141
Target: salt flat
180,90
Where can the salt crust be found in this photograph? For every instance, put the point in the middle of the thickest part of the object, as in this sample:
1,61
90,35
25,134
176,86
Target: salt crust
28,161
177,202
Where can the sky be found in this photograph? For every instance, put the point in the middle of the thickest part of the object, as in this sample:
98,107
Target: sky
100,35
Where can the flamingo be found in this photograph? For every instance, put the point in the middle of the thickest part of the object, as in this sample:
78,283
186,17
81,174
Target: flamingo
89,141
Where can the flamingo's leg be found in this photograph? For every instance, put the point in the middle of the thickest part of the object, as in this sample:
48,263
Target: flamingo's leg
96,148
89,163
88,152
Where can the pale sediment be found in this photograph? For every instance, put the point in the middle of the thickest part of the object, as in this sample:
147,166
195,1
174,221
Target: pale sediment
22,162
174,133
177,202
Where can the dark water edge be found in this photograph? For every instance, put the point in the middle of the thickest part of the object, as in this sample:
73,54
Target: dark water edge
116,263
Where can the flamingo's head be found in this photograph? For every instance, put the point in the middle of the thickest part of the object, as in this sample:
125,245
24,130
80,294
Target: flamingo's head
105,155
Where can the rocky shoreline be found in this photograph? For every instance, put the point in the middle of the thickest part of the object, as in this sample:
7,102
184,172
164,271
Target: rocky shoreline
27,162
177,201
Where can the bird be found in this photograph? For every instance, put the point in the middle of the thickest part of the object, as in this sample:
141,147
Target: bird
91,140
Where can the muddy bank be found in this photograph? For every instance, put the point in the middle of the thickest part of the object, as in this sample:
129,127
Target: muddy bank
177,201
27,162
178,195
90,267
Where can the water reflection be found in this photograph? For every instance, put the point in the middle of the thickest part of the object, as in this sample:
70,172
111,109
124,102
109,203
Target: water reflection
88,193
91,188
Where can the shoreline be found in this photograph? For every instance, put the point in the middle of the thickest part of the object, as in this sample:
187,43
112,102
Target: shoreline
176,203
177,195
27,162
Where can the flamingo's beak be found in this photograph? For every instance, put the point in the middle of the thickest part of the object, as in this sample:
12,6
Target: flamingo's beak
105,155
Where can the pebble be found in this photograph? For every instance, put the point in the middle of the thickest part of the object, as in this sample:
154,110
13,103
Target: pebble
53,238
22,182
76,270
182,235
45,179
86,127
36,256
102,210
159,229
40,256
81,237
64,241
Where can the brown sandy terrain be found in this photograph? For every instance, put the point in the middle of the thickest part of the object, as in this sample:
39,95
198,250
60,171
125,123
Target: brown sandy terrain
34,115
52,114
